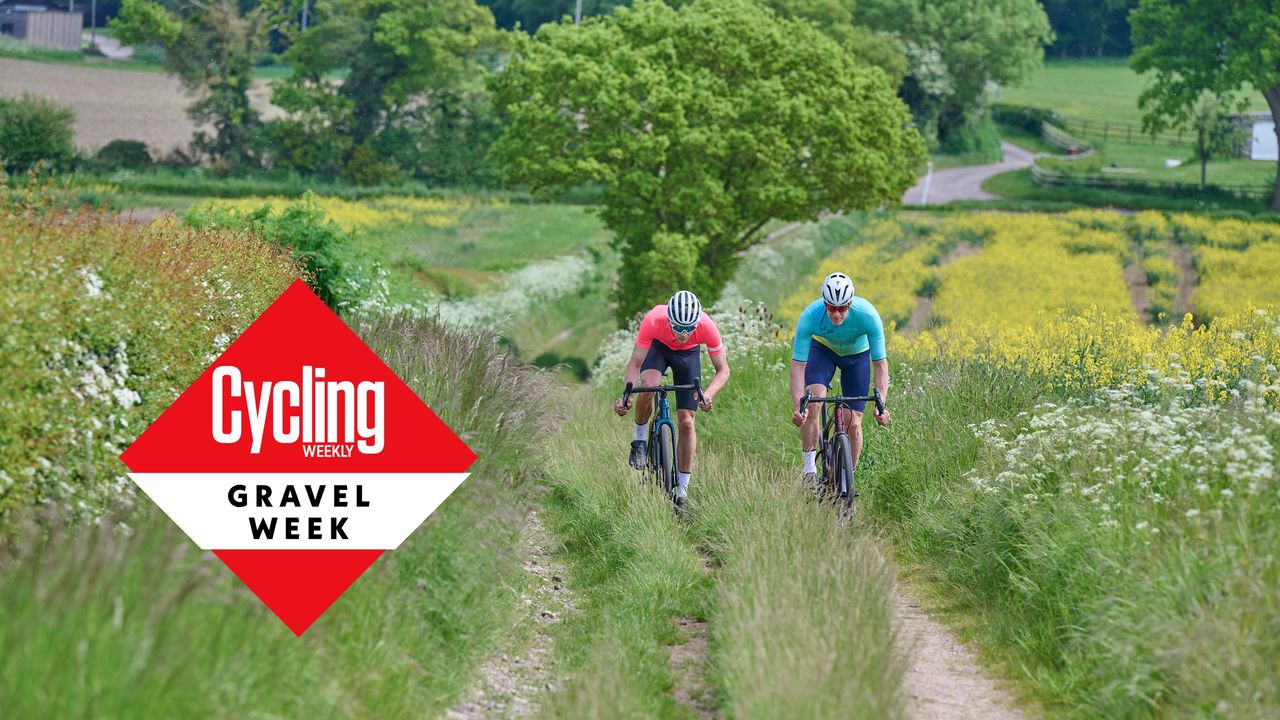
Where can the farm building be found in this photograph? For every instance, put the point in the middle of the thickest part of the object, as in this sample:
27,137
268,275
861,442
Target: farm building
41,22
1257,136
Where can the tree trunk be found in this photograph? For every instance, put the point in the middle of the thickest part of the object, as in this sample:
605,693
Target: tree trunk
1273,101
1203,152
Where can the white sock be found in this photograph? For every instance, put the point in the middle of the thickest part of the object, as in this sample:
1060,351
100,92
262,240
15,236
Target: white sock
682,485
642,431
810,460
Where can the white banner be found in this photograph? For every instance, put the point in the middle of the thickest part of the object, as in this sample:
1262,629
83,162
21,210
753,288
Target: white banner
305,511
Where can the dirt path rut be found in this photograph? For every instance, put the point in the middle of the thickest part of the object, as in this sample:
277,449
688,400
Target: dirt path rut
944,680
512,683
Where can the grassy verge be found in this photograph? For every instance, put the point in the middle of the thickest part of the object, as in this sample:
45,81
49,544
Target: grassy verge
134,622
1021,193
101,338
1112,580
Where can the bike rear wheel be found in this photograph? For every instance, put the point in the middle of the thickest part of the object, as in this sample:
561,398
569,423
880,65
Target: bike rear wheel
664,469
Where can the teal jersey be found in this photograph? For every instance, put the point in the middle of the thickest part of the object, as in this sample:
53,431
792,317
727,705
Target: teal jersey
860,330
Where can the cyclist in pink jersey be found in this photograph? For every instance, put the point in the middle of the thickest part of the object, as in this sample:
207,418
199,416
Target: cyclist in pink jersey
671,336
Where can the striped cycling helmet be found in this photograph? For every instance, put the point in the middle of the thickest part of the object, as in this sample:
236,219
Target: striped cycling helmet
684,309
837,290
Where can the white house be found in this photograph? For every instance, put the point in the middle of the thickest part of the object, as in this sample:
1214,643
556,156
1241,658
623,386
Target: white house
1263,144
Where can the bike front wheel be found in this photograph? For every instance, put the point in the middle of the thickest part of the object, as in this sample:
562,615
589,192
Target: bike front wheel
842,471
665,460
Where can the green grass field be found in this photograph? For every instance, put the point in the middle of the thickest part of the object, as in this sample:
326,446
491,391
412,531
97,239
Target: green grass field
1101,90
1107,91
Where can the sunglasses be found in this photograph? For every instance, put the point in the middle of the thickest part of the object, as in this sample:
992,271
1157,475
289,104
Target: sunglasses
683,328
836,308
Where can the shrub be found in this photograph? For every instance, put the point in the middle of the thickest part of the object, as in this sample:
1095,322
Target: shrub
123,155
1027,119
34,129
303,228
104,324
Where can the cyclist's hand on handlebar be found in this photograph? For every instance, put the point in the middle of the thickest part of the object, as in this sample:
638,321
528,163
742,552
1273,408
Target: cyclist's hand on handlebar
705,403
798,418
883,418
621,408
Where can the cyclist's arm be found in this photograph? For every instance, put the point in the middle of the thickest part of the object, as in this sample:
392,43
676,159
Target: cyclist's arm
880,377
797,382
720,362
633,365
799,358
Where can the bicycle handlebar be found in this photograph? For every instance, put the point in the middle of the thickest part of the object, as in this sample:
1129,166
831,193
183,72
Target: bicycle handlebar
875,395
696,387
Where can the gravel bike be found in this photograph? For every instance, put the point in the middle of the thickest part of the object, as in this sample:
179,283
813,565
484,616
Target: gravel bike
663,454
835,451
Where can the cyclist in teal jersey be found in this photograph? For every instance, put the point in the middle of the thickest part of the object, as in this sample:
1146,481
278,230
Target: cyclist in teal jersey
837,331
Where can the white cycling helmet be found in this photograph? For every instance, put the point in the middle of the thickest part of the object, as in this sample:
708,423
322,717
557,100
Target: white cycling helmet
684,309
837,290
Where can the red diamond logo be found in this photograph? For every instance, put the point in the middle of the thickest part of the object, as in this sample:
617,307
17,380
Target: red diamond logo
298,457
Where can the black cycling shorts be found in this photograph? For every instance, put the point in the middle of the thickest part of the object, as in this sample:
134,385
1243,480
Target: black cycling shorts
685,366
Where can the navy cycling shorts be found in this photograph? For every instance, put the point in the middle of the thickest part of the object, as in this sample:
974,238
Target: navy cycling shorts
855,371
685,366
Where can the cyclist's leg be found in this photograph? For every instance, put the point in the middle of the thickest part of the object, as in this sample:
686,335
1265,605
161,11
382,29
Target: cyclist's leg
688,443
855,379
818,372
651,372
686,366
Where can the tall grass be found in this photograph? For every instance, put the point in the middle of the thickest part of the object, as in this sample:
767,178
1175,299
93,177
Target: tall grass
128,619
799,609
802,619
1116,552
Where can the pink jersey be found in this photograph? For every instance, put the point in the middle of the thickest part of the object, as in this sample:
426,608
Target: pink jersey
656,326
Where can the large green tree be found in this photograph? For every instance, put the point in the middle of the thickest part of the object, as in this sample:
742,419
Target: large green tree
407,67
838,19
701,123
1193,47
956,47
211,46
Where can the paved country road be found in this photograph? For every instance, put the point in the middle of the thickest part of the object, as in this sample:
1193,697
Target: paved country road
965,183
109,46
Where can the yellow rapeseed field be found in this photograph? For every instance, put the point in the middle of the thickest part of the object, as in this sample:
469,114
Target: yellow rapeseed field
1046,294
373,214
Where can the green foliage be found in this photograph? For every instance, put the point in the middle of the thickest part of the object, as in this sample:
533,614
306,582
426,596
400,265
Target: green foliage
979,140
410,94
1090,28
956,47
302,228
1204,46
105,323
198,182
1216,133
123,155
34,129
657,267
705,122
532,14
211,47
1028,119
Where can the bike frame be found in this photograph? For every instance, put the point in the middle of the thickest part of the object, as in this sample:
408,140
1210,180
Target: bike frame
662,416
837,422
